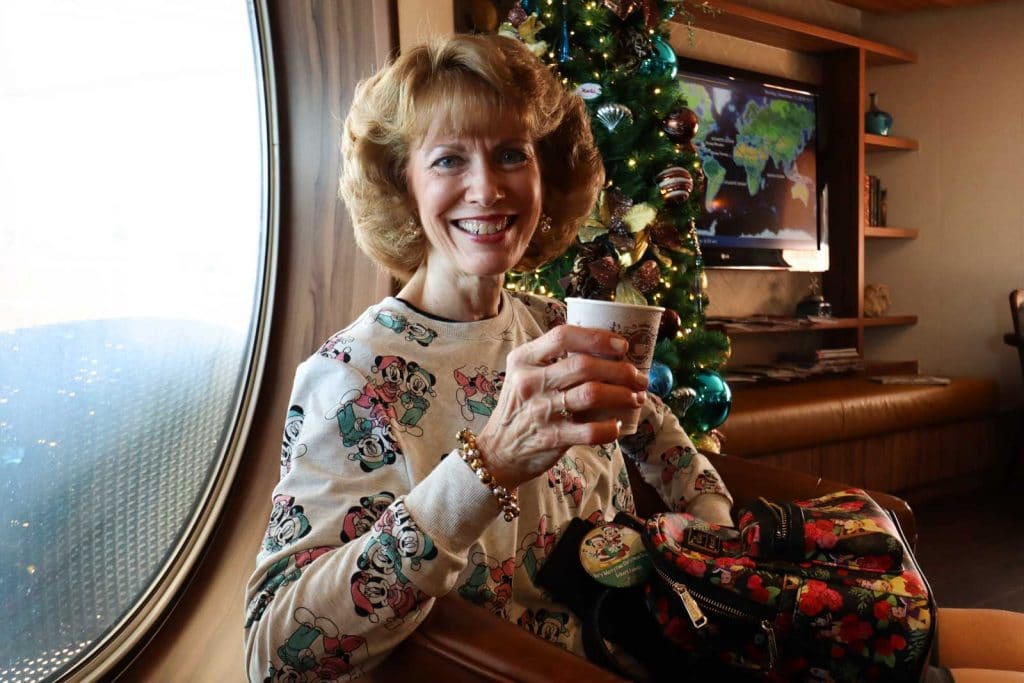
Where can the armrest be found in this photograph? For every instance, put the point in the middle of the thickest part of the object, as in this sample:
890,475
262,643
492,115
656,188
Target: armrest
461,643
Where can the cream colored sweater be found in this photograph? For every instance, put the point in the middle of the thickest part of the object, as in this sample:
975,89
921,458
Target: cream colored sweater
375,514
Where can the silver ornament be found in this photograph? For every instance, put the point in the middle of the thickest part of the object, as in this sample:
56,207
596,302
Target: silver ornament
612,114
684,398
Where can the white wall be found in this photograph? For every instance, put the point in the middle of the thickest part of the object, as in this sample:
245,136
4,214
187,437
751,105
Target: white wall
964,189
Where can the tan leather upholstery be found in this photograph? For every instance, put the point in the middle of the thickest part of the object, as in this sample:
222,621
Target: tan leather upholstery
460,643
788,417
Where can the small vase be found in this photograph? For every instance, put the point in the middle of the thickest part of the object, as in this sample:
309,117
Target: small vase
875,120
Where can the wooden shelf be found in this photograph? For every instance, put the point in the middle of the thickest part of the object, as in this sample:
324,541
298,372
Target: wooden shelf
888,143
889,321
792,34
775,325
890,233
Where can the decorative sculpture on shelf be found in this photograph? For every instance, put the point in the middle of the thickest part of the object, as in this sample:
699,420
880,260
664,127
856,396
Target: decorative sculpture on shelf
814,303
876,300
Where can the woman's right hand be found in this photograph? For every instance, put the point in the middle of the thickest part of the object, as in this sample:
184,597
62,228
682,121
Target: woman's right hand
577,368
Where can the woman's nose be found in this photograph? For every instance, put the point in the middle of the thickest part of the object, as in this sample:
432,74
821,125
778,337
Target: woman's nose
485,187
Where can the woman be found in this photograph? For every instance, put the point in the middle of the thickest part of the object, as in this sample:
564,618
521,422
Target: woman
462,160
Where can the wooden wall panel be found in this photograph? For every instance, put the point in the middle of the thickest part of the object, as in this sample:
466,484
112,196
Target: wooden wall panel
321,49
917,464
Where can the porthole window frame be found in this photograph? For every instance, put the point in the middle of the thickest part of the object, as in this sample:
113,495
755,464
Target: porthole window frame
129,634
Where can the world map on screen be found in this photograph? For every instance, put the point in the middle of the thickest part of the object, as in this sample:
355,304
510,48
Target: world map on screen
757,146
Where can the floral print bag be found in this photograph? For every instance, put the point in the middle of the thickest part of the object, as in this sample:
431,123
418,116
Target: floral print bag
823,589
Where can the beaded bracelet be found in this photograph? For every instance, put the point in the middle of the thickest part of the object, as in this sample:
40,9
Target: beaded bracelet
471,456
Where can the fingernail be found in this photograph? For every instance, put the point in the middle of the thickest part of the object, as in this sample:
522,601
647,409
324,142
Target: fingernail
618,426
640,397
641,377
620,345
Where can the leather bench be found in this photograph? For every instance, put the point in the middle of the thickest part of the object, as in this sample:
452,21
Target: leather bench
883,436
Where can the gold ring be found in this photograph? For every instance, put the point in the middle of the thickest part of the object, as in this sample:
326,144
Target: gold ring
565,412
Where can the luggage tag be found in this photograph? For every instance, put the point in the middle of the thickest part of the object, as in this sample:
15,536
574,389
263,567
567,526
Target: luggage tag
614,555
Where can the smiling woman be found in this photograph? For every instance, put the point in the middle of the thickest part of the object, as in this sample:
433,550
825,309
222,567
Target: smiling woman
134,257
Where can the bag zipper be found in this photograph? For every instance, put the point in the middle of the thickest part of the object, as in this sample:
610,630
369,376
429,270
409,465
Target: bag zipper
695,603
781,516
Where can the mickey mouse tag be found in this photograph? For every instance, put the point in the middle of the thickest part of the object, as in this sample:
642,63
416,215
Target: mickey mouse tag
615,556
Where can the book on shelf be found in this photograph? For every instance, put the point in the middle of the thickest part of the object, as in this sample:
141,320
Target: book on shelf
874,201
815,355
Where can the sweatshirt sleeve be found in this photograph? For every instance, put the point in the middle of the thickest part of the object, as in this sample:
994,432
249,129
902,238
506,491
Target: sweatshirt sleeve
346,570
668,461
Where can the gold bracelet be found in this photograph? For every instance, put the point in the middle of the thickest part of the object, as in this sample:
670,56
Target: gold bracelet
471,456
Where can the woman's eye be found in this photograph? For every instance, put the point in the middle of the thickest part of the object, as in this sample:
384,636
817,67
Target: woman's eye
513,156
446,162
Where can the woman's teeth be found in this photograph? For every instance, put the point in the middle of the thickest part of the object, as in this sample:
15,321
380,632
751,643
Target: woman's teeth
483,227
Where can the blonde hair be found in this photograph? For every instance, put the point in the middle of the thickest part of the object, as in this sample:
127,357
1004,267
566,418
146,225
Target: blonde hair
469,79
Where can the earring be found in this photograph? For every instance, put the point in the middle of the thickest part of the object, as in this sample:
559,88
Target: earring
545,223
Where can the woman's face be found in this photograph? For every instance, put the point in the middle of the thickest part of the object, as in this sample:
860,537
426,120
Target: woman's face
478,198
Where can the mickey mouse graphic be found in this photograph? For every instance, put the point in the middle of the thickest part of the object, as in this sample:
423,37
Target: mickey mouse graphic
290,448
287,524
419,383
371,438
478,393
318,647
360,518
333,348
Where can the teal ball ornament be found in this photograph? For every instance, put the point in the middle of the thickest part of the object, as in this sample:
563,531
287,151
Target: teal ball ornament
711,404
660,380
661,61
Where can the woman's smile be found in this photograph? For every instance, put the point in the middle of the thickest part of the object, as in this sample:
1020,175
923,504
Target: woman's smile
484,225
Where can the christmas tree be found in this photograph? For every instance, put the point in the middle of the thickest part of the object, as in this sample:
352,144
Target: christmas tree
640,244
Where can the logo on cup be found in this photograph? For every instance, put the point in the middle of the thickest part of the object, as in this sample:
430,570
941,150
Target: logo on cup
641,342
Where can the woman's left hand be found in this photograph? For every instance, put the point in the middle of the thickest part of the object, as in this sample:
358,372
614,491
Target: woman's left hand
577,370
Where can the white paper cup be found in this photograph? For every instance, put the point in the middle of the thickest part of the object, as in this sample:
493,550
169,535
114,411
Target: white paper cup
638,324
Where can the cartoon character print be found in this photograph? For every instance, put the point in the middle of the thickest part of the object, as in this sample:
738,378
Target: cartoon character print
360,518
287,524
568,479
677,459
337,347
381,397
606,547
370,436
373,593
490,583
398,323
622,493
554,311
636,445
381,581
549,625
536,546
707,482
554,314
478,393
398,384
606,450
277,576
290,448
317,651
419,383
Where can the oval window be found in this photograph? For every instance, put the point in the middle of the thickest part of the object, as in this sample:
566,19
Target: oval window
135,238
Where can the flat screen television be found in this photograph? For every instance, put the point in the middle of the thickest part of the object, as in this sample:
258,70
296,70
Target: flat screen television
757,138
